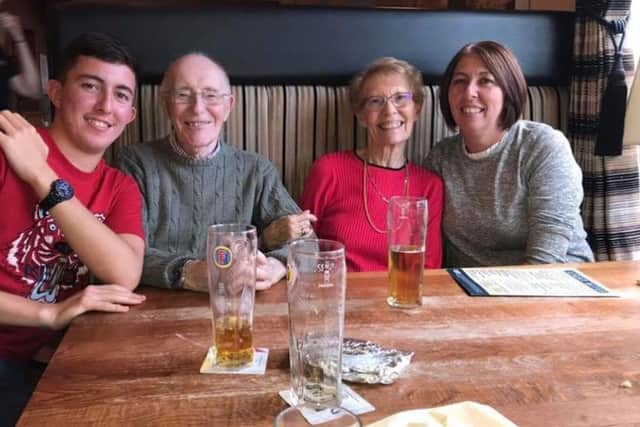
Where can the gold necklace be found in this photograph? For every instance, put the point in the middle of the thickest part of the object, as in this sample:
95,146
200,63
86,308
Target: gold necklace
365,174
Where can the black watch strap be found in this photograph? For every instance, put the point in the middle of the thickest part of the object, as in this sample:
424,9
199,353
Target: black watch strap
60,191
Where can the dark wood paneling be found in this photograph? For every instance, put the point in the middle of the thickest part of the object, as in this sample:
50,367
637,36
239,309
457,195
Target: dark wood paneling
416,4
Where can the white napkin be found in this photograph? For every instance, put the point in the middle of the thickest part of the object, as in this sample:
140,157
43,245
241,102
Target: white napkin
462,414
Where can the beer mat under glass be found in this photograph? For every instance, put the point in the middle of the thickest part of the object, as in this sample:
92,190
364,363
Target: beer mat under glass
528,282
351,401
257,367
367,362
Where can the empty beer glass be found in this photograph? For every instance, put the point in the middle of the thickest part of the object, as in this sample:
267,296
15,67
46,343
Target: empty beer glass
231,259
316,285
316,291
406,235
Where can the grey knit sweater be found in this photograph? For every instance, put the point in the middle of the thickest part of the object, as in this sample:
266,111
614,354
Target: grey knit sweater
183,196
519,204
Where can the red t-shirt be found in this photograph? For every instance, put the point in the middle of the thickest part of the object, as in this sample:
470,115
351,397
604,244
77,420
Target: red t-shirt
333,192
35,260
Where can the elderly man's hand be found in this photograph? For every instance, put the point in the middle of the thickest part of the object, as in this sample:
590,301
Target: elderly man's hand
286,228
268,271
195,276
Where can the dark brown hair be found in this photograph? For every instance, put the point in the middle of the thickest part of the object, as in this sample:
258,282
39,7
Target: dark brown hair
504,67
102,46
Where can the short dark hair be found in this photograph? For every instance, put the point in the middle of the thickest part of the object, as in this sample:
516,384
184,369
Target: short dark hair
102,46
504,67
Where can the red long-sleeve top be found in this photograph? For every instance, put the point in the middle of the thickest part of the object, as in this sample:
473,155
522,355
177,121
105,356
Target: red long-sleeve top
333,192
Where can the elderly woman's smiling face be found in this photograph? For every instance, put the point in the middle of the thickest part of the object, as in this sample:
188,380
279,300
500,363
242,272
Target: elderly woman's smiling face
387,109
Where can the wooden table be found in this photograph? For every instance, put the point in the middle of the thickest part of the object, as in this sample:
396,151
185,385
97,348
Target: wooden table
540,362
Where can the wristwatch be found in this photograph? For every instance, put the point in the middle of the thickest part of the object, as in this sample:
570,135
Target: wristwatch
60,191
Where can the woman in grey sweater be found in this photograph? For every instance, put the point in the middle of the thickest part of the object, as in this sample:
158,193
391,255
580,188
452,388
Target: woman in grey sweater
512,187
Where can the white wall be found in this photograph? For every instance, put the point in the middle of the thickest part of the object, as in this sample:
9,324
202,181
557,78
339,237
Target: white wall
632,39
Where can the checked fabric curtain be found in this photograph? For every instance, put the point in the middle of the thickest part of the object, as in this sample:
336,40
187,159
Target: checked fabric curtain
611,208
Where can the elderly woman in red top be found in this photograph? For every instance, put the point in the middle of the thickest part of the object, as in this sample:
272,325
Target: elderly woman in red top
349,191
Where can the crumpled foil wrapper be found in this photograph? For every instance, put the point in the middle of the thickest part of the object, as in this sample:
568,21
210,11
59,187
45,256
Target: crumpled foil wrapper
367,362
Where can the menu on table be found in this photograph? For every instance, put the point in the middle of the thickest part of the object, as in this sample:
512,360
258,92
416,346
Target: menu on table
528,282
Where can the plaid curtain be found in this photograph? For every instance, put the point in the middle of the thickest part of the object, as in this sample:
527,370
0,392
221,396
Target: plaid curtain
611,207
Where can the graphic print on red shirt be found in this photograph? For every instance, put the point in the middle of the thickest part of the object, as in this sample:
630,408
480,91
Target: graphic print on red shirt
44,261
36,261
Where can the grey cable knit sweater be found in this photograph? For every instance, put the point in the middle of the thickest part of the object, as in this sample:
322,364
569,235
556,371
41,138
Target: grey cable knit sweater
518,204
183,196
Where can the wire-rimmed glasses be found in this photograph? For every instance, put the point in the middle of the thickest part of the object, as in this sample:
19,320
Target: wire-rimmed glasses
377,103
187,96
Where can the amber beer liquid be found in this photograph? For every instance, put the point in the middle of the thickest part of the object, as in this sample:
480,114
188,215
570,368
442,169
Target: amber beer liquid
406,268
234,342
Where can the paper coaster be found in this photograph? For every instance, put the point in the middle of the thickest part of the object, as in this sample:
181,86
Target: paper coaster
257,367
351,401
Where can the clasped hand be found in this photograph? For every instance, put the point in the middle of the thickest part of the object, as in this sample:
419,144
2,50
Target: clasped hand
287,228
268,272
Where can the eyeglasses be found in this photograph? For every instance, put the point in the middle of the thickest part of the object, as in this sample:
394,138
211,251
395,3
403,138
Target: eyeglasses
208,97
377,103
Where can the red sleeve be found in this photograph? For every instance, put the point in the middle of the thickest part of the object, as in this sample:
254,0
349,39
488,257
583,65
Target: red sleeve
3,168
318,188
126,214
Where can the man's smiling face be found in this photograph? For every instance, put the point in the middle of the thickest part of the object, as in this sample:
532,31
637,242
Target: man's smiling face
94,103
198,101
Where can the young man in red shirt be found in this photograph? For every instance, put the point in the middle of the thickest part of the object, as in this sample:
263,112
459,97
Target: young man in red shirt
66,213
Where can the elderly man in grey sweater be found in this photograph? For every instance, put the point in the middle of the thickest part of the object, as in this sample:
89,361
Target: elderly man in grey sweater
191,179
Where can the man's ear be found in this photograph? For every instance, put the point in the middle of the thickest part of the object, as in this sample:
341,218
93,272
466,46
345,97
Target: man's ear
54,92
232,102
133,115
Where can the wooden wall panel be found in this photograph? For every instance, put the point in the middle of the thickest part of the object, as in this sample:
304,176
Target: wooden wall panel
481,4
416,4
564,5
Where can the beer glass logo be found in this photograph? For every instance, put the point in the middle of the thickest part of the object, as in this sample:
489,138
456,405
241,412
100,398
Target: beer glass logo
222,257
326,269
289,274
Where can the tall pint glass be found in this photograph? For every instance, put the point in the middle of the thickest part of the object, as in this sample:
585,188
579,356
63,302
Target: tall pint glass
406,234
231,261
316,292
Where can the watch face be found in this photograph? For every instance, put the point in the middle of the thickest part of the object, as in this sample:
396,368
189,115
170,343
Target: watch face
63,189
60,191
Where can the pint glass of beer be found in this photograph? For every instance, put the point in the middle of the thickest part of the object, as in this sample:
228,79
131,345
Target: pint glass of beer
231,261
407,236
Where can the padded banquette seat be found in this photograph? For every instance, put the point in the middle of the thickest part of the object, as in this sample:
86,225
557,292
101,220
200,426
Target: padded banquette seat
293,125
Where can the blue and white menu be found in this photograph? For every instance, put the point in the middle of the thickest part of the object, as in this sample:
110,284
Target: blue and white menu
528,282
